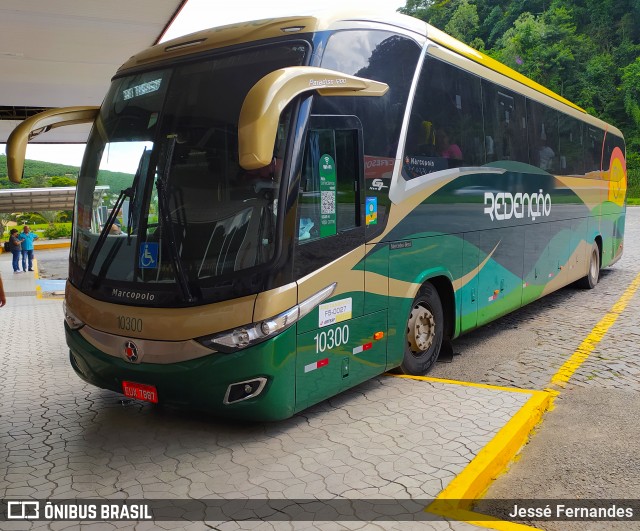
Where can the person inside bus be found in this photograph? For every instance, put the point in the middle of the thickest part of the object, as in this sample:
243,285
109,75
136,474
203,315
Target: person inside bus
263,181
420,137
444,147
116,228
545,155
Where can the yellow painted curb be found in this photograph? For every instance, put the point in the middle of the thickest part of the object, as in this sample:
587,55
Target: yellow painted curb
49,245
53,245
454,501
493,458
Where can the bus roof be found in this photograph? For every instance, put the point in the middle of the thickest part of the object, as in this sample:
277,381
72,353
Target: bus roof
321,20
244,32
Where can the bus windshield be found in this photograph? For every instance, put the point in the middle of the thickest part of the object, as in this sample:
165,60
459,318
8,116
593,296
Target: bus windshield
178,213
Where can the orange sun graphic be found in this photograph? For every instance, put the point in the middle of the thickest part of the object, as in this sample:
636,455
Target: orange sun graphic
617,177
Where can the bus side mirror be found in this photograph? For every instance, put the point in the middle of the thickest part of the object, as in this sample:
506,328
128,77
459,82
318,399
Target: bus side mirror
37,124
267,99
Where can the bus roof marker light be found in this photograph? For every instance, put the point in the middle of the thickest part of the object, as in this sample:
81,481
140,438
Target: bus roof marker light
292,29
182,45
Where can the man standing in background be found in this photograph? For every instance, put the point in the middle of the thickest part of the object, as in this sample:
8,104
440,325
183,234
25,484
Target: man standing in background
27,238
15,246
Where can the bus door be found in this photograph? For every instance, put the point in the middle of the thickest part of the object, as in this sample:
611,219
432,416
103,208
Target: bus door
336,347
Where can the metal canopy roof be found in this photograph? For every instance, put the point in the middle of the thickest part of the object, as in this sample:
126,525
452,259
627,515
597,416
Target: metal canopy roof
42,199
63,53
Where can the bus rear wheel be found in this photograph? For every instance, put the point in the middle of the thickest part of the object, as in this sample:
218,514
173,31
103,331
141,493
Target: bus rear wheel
593,274
424,332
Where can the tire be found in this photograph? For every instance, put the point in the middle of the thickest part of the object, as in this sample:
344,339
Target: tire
593,274
424,332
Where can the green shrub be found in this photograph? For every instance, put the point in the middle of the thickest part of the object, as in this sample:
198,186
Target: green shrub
57,231
633,186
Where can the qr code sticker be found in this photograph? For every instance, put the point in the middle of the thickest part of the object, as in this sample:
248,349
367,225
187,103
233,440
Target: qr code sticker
328,202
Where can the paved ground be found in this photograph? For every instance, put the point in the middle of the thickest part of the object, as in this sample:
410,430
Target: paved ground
588,446
389,438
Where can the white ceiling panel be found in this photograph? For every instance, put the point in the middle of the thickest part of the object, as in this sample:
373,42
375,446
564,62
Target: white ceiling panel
64,52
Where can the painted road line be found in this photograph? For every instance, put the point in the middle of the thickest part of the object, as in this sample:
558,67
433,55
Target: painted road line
463,383
36,276
587,346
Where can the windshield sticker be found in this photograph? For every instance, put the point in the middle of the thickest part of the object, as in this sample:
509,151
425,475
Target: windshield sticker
327,171
148,257
372,211
334,312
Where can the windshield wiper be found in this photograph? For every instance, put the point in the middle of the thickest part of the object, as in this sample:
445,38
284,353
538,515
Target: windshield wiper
143,166
91,262
167,226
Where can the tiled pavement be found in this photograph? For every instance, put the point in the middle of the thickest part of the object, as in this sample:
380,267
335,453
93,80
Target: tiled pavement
389,438
61,438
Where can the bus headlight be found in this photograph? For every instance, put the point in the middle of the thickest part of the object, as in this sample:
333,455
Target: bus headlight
254,333
72,321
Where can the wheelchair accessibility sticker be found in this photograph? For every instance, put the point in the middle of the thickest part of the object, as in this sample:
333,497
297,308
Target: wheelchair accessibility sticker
148,257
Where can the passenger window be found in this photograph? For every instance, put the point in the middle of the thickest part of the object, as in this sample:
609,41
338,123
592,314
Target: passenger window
611,143
329,201
381,56
544,148
445,128
593,149
571,146
505,124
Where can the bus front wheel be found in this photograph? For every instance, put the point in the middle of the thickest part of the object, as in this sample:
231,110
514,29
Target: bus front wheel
425,326
593,274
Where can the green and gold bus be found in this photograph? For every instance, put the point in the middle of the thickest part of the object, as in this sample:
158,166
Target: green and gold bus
307,202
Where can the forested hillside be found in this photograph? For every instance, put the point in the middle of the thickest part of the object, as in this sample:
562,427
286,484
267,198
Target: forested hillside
35,169
44,174
586,50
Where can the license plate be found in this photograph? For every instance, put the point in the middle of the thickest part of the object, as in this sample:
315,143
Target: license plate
140,391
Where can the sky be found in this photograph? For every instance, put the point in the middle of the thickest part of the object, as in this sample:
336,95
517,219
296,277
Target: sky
199,14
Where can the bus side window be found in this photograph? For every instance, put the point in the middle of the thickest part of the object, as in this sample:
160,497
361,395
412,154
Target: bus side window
571,146
328,197
543,136
445,129
593,149
505,123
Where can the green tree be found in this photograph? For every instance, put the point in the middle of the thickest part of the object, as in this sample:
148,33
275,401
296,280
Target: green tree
62,181
5,217
463,24
545,48
50,216
630,89
597,85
